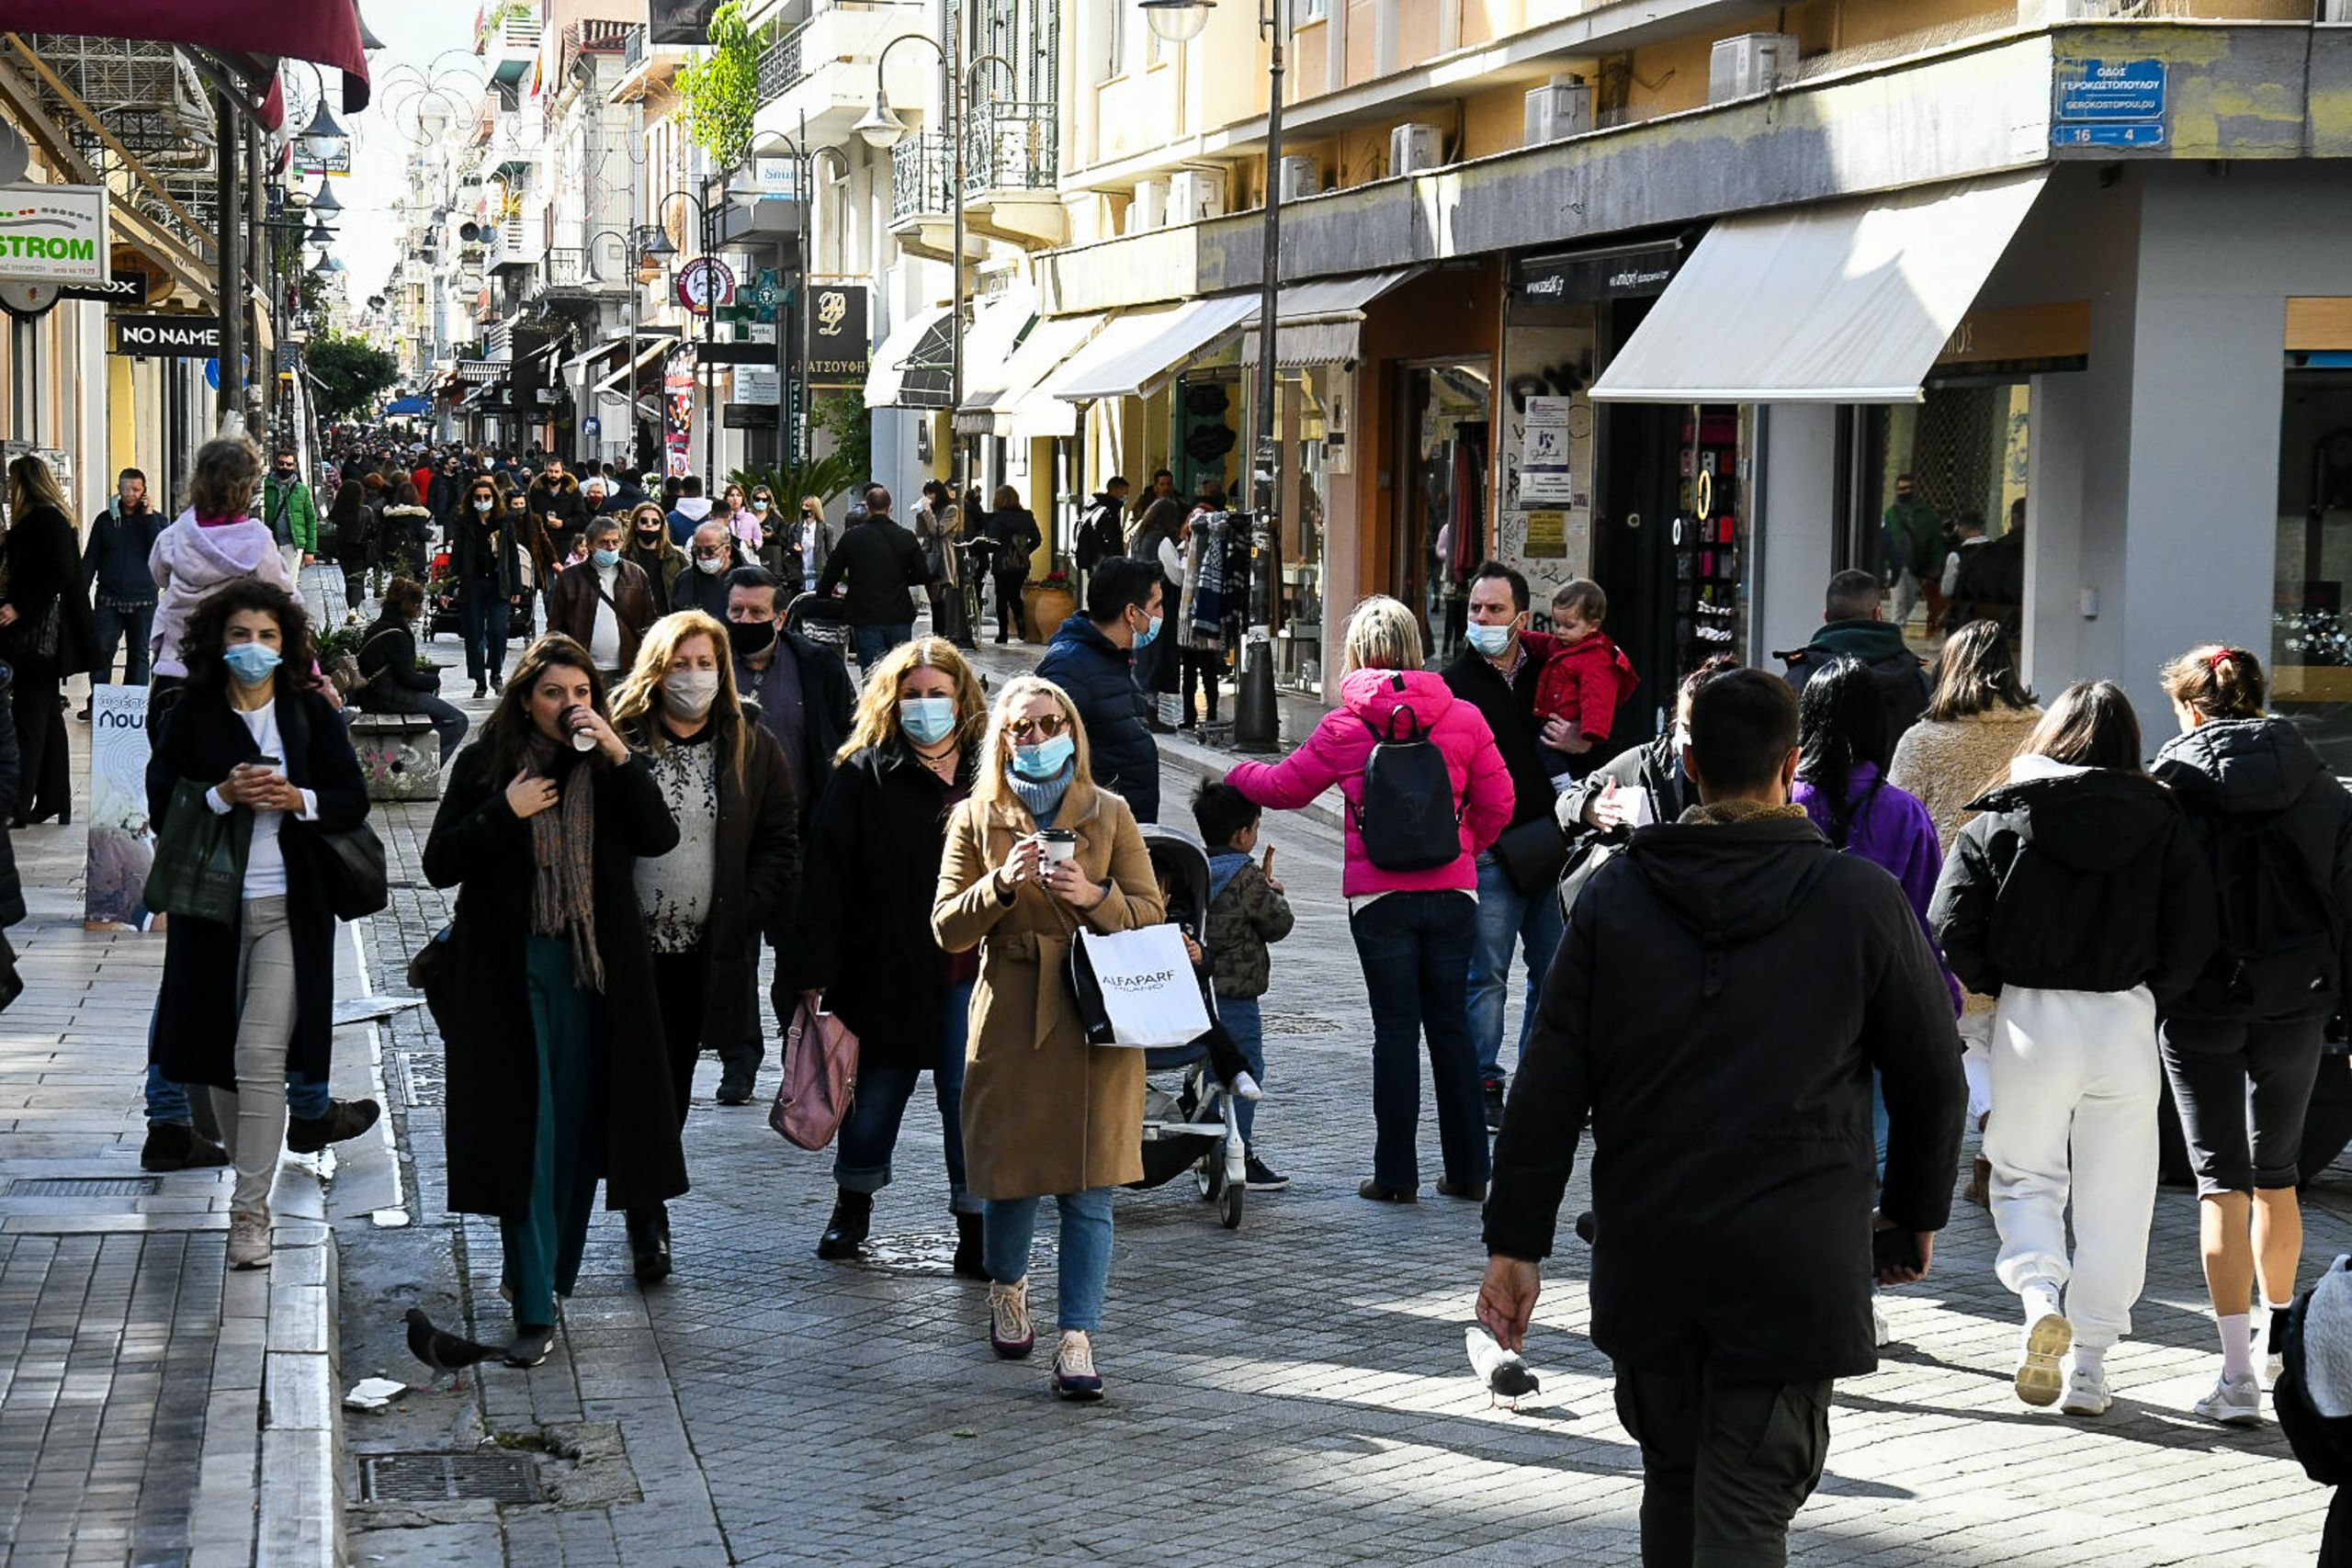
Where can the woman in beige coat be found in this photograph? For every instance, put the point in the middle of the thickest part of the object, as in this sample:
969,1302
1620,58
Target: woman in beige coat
1980,713
1044,1112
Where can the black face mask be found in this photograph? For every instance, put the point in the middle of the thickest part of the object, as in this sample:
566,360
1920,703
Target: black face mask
751,639
650,535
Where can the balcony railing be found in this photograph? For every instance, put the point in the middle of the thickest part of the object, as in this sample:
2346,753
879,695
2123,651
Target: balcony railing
1014,146
921,172
566,269
780,65
637,48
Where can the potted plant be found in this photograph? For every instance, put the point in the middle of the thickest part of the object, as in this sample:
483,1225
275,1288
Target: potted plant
1049,601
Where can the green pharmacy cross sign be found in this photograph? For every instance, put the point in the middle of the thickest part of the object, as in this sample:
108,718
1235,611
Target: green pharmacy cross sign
758,300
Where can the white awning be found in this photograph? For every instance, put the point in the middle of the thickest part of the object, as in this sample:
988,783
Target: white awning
1141,349
654,346
1846,303
605,350
1018,409
910,369
988,345
1321,322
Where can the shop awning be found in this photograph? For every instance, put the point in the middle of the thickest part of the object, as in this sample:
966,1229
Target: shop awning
1141,349
1848,303
409,405
482,371
1018,407
653,346
989,344
911,369
324,31
1321,322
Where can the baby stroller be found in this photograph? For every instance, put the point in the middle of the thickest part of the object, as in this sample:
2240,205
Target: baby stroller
821,621
1189,1122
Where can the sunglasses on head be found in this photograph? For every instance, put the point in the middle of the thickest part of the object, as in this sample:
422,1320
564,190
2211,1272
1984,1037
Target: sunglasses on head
1048,725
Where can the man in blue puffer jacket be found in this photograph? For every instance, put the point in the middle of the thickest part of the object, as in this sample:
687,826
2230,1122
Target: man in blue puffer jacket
1093,659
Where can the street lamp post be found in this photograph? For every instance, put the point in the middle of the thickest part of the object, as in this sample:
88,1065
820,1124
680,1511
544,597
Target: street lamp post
883,129
804,161
1181,21
661,248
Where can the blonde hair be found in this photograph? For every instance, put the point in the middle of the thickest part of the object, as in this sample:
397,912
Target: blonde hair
992,785
876,722
1382,635
638,701
33,483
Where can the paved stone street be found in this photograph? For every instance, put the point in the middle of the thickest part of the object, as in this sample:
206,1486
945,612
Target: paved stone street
1291,1392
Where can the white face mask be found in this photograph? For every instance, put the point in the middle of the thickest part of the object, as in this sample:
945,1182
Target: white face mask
690,693
710,565
483,503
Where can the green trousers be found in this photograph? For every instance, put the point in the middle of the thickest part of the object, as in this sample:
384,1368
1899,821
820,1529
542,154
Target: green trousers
543,1246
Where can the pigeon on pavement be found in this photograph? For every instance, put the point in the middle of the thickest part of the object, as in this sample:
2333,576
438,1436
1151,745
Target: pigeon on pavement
445,1352
1504,1373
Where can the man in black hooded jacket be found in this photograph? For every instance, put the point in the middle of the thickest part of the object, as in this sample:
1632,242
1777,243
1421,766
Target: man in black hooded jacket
1725,991
1852,626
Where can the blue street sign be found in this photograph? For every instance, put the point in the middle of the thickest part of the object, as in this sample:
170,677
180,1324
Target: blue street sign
2109,103
2107,136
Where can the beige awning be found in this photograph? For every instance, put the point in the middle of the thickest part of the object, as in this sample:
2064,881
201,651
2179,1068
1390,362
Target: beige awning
1321,322
1018,410
1140,351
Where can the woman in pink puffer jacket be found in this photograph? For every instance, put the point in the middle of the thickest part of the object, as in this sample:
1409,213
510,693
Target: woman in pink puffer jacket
1413,928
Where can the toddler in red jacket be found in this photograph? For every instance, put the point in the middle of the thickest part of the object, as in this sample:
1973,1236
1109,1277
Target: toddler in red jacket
1585,679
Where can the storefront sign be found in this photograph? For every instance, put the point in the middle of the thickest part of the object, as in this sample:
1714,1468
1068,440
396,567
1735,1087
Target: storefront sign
1547,535
1543,459
120,289
678,413
706,284
2021,333
54,234
751,416
168,338
680,21
1618,273
122,842
840,354
760,384
2109,103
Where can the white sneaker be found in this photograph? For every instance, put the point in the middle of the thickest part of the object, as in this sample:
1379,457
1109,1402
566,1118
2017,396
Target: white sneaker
249,1241
2234,1402
1009,1331
2041,1348
1074,1373
1879,1333
2086,1389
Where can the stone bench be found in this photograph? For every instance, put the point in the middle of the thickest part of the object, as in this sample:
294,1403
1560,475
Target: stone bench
398,755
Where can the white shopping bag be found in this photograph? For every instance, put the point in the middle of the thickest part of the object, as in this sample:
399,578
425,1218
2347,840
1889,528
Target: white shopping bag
1146,992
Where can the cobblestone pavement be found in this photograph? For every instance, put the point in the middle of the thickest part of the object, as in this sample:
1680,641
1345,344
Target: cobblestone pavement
1291,1392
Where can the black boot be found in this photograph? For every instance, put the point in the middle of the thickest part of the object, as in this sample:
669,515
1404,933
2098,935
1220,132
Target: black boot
649,1243
968,1264
845,1232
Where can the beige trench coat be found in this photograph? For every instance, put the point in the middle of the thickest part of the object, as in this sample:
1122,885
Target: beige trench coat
1044,1112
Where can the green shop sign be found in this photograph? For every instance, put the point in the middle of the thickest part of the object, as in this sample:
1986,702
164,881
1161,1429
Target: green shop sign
54,234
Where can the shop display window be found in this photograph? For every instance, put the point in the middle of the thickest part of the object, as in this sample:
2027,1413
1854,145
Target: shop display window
1443,530
2310,639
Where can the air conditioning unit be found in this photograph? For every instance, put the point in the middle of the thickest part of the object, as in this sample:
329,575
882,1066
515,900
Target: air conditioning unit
1149,209
1412,148
1561,107
1751,63
1302,177
1194,194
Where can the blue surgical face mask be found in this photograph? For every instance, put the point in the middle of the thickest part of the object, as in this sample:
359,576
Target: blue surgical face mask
927,720
251,663
606,560
1489,640
1143,637
1045,759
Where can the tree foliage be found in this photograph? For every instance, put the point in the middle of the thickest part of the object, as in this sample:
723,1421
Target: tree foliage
844,417
721,92
352,374
823,477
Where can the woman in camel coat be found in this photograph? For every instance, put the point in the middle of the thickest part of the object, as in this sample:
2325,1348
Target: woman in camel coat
1044,1112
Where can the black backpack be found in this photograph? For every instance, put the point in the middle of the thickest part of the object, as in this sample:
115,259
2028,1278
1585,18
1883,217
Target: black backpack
1408,818
2280,931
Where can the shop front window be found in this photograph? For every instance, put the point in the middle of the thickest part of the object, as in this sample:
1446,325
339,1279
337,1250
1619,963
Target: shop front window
1964,450
1309,422
2310,639
1441,503
1710,536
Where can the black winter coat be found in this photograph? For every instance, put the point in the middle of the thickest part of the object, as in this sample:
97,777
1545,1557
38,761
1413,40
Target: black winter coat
481,848
2085,880
1102,533
387,656
755,866
1015,534
1721,997
44,568
1099,675
2256,794
1656,767
12,770
1509,708
881,561
196,1016
1901,679
864,926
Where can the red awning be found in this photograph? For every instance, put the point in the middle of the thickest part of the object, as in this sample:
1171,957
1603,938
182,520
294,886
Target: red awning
325,32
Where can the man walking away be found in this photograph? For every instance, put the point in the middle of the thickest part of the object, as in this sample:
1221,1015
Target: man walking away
1101,528
1725,991
687,514
1853,627
114,563
880,561
292,515
1093,659
1498,672
1913,538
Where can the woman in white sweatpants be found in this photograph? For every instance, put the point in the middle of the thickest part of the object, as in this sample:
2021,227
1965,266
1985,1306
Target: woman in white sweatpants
2078,899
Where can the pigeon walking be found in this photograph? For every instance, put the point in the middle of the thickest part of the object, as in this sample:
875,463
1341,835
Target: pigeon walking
1504,1373
445,1352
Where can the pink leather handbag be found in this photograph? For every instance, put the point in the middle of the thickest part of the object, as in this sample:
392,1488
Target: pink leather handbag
820,1079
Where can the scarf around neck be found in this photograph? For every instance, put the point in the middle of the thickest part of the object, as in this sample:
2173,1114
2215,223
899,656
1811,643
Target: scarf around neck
1043,796
563,852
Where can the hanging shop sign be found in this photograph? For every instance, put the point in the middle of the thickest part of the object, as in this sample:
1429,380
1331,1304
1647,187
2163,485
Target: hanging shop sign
840,353
678,415
120,288
168,338
680,21
54,234
706,284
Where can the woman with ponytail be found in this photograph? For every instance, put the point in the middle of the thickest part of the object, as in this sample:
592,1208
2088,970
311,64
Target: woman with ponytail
2275,828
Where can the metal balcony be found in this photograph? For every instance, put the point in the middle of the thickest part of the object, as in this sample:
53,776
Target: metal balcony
780,67
922,175
1014,146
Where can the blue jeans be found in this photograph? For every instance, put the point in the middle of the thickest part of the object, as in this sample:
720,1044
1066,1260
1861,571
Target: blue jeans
115,625
482,609
1415,948
1085,1250
872,642
862,1164
1241,1020
1507,918
167,1101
